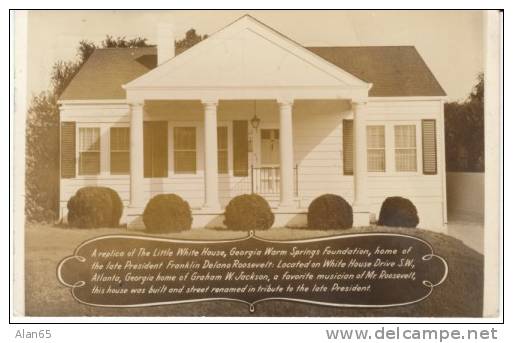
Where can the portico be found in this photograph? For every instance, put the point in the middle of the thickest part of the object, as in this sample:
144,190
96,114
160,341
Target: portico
216,70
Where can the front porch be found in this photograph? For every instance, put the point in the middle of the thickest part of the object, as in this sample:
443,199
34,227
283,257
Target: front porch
259,144
249,63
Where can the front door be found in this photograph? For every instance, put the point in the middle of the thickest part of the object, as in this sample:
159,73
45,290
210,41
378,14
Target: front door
269,172
270,147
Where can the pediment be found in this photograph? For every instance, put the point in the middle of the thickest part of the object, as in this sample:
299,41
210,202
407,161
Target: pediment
247,54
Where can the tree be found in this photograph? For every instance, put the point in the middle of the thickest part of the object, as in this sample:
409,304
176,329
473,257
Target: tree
191,39
464,131
42,133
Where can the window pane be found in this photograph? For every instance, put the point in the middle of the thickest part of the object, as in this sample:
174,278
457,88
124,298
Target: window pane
405,148
375,137
376,148
405,136
222,138
376,160
89,163
119,150
185,162
119,162
89,151
222,161
119,138
222,149
406,160
185,149
89,139
185,138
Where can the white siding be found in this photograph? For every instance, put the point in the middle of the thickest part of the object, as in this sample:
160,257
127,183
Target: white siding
318,150
425,191
317,140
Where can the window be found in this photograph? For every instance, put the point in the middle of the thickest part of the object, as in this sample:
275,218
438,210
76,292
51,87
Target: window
376,148
222,149
405,148
185,150
119,150
89,151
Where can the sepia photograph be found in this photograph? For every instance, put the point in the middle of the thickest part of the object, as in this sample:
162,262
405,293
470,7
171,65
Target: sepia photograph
256,163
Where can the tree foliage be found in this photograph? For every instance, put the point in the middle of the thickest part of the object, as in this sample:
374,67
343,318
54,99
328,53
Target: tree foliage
42,132
42,135
191,38
464,131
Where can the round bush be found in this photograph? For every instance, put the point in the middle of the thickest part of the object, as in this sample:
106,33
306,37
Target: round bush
167,213
93,207
330,212
399,212
248,212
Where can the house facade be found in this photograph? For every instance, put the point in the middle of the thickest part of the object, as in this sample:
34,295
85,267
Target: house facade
248,110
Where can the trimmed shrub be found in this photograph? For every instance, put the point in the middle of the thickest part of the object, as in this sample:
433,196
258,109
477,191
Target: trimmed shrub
330,212
399,212
93,207
167,213
248,212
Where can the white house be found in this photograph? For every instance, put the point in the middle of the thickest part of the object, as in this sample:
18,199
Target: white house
250,110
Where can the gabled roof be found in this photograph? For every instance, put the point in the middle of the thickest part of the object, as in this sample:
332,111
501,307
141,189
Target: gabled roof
106,70
394,71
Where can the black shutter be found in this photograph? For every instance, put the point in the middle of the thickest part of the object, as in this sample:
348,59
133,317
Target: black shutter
240,148
155,147
148,149
347,146
68,142
160,149
429,164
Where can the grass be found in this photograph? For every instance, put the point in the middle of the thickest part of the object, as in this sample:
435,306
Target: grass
459,296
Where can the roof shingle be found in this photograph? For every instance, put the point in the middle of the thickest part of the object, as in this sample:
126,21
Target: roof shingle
393,71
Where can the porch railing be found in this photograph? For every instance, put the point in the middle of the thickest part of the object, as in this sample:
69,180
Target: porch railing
266,180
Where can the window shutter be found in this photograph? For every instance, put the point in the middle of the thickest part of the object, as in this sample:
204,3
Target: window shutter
429,146
68,143
160,149
347,146
240,148
148,149
155,149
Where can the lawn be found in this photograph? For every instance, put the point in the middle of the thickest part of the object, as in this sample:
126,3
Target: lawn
460,295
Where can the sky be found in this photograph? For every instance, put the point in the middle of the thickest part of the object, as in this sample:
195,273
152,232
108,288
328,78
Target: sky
450,42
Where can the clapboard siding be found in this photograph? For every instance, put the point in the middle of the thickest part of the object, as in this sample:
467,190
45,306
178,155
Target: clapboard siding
318,152
317,139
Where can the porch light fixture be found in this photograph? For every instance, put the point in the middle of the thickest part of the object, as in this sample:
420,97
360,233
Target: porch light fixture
255,121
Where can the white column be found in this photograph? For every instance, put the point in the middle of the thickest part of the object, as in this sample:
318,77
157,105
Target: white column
136,155
286,155
360,203
210,160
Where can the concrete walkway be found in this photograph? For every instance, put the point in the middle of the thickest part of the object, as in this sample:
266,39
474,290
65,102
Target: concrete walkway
467,229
